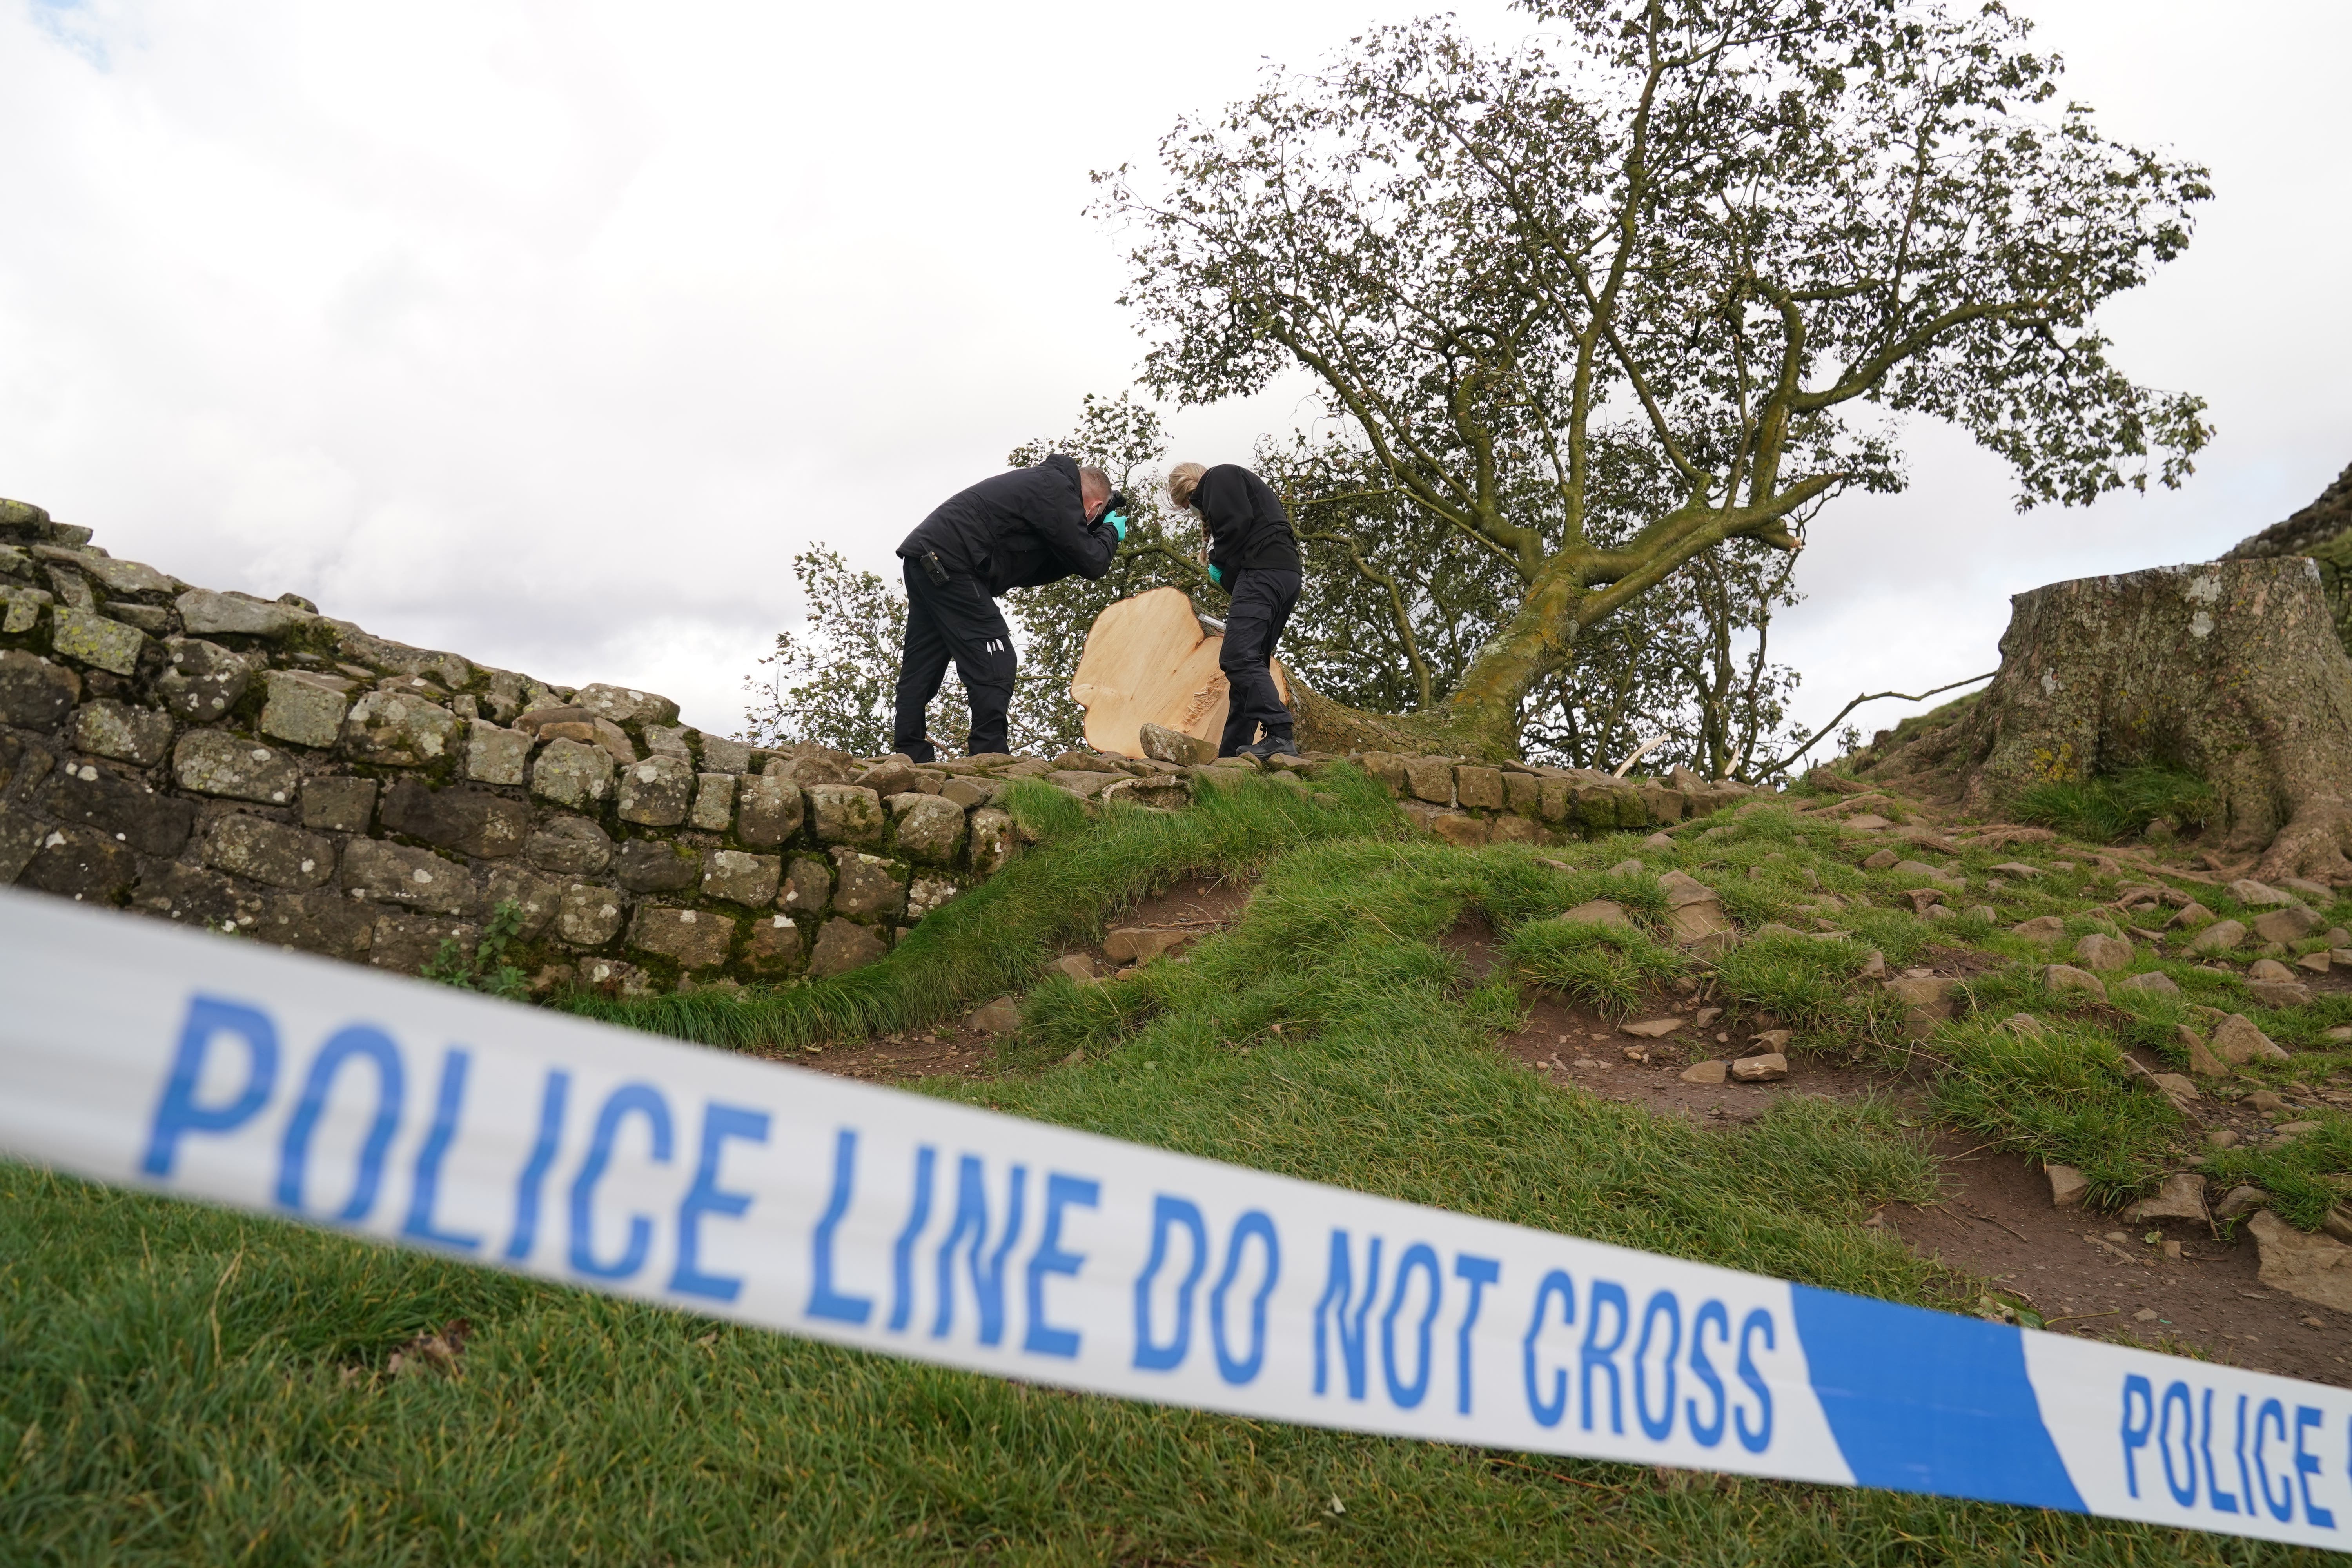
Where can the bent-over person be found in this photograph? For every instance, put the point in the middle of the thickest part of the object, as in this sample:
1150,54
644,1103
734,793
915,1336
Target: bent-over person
1253,556
1017,530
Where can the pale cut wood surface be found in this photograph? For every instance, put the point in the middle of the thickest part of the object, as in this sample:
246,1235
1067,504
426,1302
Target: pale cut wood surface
1148,661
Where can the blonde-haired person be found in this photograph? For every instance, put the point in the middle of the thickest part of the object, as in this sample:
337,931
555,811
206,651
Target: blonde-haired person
1253,556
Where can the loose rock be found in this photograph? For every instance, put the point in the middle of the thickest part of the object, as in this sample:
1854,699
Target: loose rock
2314,1268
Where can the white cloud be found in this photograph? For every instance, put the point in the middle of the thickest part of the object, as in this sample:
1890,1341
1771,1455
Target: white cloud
548,333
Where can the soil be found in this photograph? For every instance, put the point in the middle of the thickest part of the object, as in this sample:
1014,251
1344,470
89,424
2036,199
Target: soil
2087,1274
961,1050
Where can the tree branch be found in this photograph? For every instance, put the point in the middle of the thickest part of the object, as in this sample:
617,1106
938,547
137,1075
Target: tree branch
1868,696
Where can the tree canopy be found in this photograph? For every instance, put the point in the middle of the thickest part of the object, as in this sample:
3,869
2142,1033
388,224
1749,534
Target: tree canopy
1658,279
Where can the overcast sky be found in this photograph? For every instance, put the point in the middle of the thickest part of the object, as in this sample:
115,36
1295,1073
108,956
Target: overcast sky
548,332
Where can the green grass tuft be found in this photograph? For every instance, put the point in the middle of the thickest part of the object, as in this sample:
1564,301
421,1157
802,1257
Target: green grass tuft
2107,809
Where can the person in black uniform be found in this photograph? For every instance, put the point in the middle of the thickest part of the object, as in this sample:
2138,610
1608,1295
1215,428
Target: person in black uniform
1253,556
1017,530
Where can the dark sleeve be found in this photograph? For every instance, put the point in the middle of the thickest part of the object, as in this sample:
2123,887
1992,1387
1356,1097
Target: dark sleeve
1224,508
1059,517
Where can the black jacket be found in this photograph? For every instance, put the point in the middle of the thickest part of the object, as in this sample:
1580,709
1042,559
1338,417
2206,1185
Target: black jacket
1017,530
1248,530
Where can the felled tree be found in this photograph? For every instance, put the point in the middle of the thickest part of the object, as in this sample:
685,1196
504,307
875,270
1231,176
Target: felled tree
1727,236
1393,617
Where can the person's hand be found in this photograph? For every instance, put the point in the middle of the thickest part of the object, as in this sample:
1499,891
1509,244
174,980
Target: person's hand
1119,524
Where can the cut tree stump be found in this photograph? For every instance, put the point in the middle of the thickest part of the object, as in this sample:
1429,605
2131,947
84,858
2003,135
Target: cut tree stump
1148,660
2231,671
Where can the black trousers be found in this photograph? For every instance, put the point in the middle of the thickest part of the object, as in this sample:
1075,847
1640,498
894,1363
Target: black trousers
958,621
1261,608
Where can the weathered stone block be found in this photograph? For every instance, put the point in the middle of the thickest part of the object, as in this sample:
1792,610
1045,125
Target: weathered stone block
572,773
1554,797
213,762
323,923
1168,745
657,866
1429,779
1480,788
86,867
2065,977
2238,1040
590,916
381,873
124,810
203,611
714,803
867,886
125,579
191,896
844,945
72,589
1459,828
270,852
494,755
2101,951
399,729
2290,924
569,846
847,814
775,947
808,887
408,943
926,894
770,812
658,791
1524,792
339,805
930,828
741,879
694,938
967,793
626,706
721,755
87,638
307,710
471,821
35,694
1605,807
612,977
2222,936
992,840
201,681
20,608
109,729
534,897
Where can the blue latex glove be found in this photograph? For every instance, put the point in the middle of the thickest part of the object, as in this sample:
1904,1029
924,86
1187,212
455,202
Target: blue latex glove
1119,524
1217,575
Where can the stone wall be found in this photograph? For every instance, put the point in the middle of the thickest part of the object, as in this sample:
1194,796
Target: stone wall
256,767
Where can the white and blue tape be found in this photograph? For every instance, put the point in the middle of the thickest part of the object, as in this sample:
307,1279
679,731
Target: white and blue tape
134,1053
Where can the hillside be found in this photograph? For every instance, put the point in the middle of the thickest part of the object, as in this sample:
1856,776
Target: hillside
1347,1000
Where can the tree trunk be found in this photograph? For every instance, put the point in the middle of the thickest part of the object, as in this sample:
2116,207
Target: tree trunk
2231,671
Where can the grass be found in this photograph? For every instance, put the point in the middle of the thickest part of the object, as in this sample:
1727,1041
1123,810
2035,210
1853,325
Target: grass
180,1386
2109,809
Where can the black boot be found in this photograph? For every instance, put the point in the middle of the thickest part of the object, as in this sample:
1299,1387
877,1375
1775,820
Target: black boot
1274,743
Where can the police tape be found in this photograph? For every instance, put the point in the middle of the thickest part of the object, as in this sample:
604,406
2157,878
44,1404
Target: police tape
134,1053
